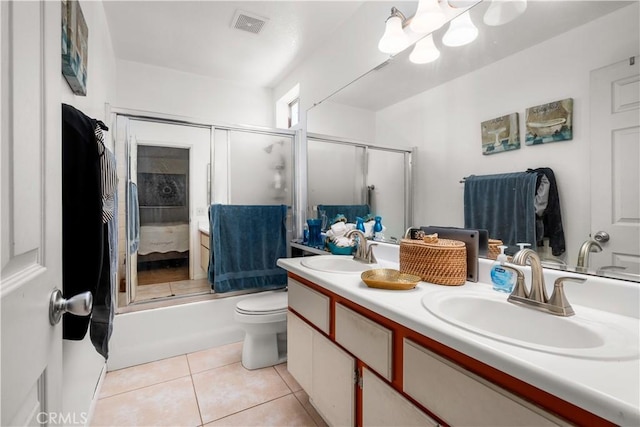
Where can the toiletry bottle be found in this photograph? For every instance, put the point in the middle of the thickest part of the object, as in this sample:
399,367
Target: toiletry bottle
360,224
377,229
305,234
503,279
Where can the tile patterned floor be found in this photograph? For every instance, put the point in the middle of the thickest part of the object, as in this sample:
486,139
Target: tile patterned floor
206,388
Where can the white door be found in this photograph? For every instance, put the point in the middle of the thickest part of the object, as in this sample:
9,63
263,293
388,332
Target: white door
31,356
615,164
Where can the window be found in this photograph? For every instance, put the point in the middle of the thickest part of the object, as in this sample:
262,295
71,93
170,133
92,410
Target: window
288,108
294,113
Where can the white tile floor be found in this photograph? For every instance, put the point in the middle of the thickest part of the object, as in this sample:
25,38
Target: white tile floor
209,387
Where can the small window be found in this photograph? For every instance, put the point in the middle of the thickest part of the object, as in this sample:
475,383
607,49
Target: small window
294,113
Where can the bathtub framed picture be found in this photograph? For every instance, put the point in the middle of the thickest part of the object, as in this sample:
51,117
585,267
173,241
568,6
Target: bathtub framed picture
75,47
549,122
500,134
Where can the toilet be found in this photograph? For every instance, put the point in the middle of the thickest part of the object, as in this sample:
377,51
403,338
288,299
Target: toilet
264,319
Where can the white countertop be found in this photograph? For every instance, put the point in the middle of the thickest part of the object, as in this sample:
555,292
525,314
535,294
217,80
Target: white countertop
608,388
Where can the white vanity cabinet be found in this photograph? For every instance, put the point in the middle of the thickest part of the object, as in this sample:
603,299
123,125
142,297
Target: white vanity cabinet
402,377
323,370
332,382
364,338
445,388
383,406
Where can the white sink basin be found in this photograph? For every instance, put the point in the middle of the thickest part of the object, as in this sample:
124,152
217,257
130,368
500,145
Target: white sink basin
336,264
589,334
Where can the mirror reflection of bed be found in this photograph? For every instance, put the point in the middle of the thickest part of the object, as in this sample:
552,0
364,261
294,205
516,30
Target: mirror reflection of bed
163,250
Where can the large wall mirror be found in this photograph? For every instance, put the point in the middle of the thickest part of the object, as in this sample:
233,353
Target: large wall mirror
586,51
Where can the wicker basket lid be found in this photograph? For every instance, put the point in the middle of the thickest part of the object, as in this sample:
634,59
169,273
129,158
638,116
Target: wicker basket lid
441,243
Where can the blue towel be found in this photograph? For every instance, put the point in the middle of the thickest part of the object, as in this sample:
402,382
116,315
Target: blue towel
133,218
245,243
503,204
349,211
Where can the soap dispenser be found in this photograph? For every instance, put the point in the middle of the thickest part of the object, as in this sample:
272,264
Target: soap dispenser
378,233
503,279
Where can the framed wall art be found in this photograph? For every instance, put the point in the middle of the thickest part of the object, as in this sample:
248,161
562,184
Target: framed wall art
500,134
75,47
549,122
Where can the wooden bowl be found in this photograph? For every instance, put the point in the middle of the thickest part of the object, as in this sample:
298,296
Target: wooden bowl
388,278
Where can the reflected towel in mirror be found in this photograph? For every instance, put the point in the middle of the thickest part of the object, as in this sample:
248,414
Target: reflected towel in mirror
503,204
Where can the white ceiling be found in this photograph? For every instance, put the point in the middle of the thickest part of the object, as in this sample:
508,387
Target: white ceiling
198,37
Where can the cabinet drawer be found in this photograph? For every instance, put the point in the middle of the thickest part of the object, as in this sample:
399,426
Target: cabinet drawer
383,406
310,304
364,338
204,240
460,397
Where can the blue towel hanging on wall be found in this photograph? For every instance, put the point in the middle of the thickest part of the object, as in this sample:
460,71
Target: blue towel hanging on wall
246,241
504,205
349,211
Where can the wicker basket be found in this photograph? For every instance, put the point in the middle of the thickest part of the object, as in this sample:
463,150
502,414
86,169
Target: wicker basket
494,250
444,262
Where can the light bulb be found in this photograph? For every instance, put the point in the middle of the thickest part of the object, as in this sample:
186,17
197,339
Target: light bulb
429,17
425,51
502,11
461,31
394,39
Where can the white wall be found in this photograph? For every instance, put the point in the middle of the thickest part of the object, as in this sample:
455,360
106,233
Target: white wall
326,119
349,53
445,122
162,90
82,365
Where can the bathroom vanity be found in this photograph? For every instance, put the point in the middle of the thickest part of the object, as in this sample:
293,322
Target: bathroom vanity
372,356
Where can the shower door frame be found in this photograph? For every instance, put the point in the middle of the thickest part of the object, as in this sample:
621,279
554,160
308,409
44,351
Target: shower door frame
409,154
297,187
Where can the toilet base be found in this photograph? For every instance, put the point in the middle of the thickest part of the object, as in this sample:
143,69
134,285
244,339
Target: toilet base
263,350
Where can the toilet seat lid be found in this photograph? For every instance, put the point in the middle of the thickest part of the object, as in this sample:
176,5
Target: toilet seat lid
266,303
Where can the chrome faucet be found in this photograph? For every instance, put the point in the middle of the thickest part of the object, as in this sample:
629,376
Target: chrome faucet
536,296
363,253
583,255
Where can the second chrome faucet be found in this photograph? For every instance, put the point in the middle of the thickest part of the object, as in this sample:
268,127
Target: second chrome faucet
364,252
536,297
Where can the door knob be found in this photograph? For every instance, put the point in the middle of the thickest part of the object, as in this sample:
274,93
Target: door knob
601,237
79,305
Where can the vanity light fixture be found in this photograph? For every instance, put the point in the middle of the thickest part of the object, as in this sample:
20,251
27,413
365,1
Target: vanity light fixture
425,51
394,39
429,17
461,31
502,11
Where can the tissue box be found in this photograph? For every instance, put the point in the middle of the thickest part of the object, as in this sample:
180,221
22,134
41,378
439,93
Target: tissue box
340,250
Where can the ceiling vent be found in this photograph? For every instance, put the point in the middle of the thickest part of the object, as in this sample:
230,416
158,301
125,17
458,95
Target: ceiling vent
248,22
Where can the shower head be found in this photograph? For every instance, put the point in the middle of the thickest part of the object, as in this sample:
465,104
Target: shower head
269,147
